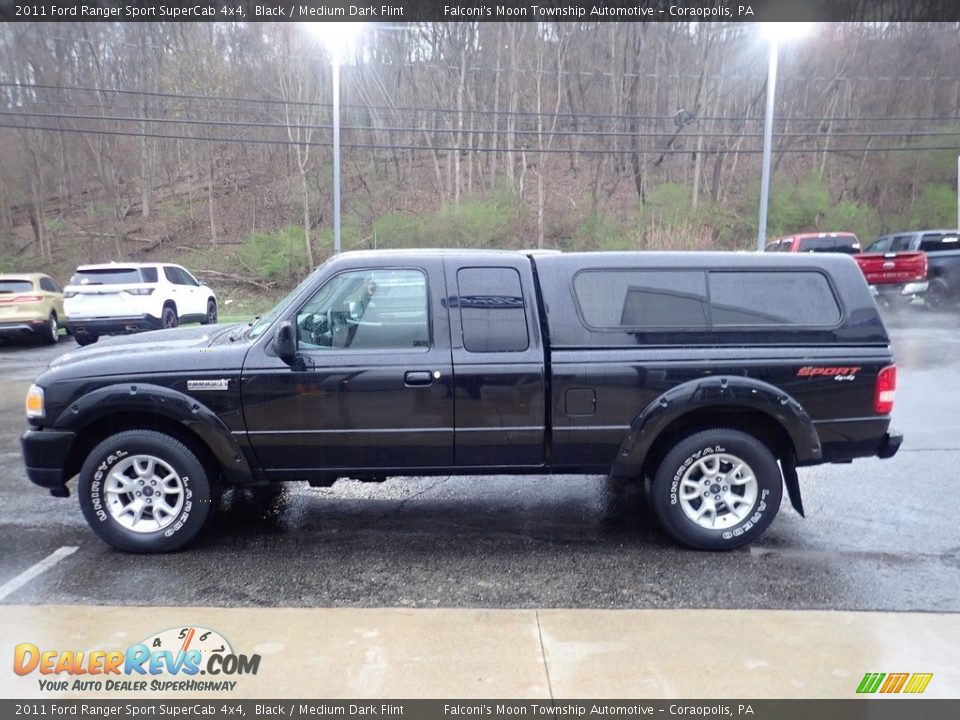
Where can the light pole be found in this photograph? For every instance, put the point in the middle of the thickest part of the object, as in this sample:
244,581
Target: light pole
775,33
336,37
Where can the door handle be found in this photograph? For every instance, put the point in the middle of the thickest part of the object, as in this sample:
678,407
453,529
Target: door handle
417,378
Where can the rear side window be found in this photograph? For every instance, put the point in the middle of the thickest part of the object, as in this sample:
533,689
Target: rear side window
848,244
642,298
938,242
901,243
15,286
772,298
149,274
106,276
47,285
491,310
698,299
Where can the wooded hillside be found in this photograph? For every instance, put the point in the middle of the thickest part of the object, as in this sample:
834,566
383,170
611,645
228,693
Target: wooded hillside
210,143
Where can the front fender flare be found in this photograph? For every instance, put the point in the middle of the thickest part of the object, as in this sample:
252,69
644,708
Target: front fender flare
716,392
166,403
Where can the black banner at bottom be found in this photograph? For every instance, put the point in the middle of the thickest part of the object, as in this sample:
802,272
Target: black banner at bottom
853,709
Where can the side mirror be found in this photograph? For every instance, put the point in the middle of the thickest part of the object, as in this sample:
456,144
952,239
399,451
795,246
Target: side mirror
285,342
202,283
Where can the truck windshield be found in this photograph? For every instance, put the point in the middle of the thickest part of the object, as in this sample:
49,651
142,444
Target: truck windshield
262,323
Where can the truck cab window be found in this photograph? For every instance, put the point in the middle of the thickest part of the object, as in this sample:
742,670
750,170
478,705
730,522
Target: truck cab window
367,309
491,310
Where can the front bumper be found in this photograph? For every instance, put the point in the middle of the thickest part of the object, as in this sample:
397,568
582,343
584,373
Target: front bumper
45,455
114,326
891,443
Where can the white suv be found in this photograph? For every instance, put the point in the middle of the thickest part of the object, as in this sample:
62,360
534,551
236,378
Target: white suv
124,298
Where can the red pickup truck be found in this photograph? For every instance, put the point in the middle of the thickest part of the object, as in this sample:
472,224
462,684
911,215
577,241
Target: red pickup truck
896,277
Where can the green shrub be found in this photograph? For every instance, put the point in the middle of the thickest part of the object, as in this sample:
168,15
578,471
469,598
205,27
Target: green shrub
488,222
935,207
599,231
668,204
798,207
668,221
279,257
853,217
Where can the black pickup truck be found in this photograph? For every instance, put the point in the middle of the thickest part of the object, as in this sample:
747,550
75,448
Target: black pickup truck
712,375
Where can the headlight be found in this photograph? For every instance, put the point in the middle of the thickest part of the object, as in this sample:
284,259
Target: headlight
34,403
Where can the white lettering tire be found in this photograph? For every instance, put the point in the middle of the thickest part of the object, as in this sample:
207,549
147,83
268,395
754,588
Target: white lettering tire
717,490
144,491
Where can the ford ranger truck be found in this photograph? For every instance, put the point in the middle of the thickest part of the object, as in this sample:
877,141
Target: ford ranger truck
711,376
940,253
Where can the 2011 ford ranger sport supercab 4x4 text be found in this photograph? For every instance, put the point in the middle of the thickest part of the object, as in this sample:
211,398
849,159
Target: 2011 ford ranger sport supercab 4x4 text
712,375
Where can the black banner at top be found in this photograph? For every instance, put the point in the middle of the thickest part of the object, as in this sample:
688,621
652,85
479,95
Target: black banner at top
404,11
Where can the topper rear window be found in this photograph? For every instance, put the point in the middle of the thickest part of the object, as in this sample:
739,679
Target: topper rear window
692,299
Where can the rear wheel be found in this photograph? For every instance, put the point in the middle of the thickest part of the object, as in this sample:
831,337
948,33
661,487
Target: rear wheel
84,338
936,297
145,491
168,318
52,335
211,316
717,490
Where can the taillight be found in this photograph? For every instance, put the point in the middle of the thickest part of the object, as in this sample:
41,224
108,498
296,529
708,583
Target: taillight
27,298
884,391
925,268
139,291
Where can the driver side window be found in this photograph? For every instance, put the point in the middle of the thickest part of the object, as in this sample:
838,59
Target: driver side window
367,310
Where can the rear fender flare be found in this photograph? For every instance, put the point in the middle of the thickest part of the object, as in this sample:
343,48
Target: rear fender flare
716,392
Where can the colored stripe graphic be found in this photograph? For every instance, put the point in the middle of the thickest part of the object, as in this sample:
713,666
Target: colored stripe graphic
918,682
894,682
870,682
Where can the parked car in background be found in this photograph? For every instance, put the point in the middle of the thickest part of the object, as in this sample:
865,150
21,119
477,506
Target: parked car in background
843,242
118,299
31,304
940,250
895,280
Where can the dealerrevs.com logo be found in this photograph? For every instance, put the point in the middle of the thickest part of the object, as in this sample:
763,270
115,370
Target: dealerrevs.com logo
169,661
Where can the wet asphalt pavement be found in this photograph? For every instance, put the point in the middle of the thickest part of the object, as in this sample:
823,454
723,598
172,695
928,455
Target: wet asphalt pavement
879,535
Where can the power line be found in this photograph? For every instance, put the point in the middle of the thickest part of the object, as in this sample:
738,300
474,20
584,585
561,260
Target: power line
473,131
441,110
455,148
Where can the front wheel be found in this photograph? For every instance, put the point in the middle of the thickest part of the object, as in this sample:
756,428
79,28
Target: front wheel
144,491
717,490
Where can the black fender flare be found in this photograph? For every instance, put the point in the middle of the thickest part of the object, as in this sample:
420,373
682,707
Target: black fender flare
722,391
170,405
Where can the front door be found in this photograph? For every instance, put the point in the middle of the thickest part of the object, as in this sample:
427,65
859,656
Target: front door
372,389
